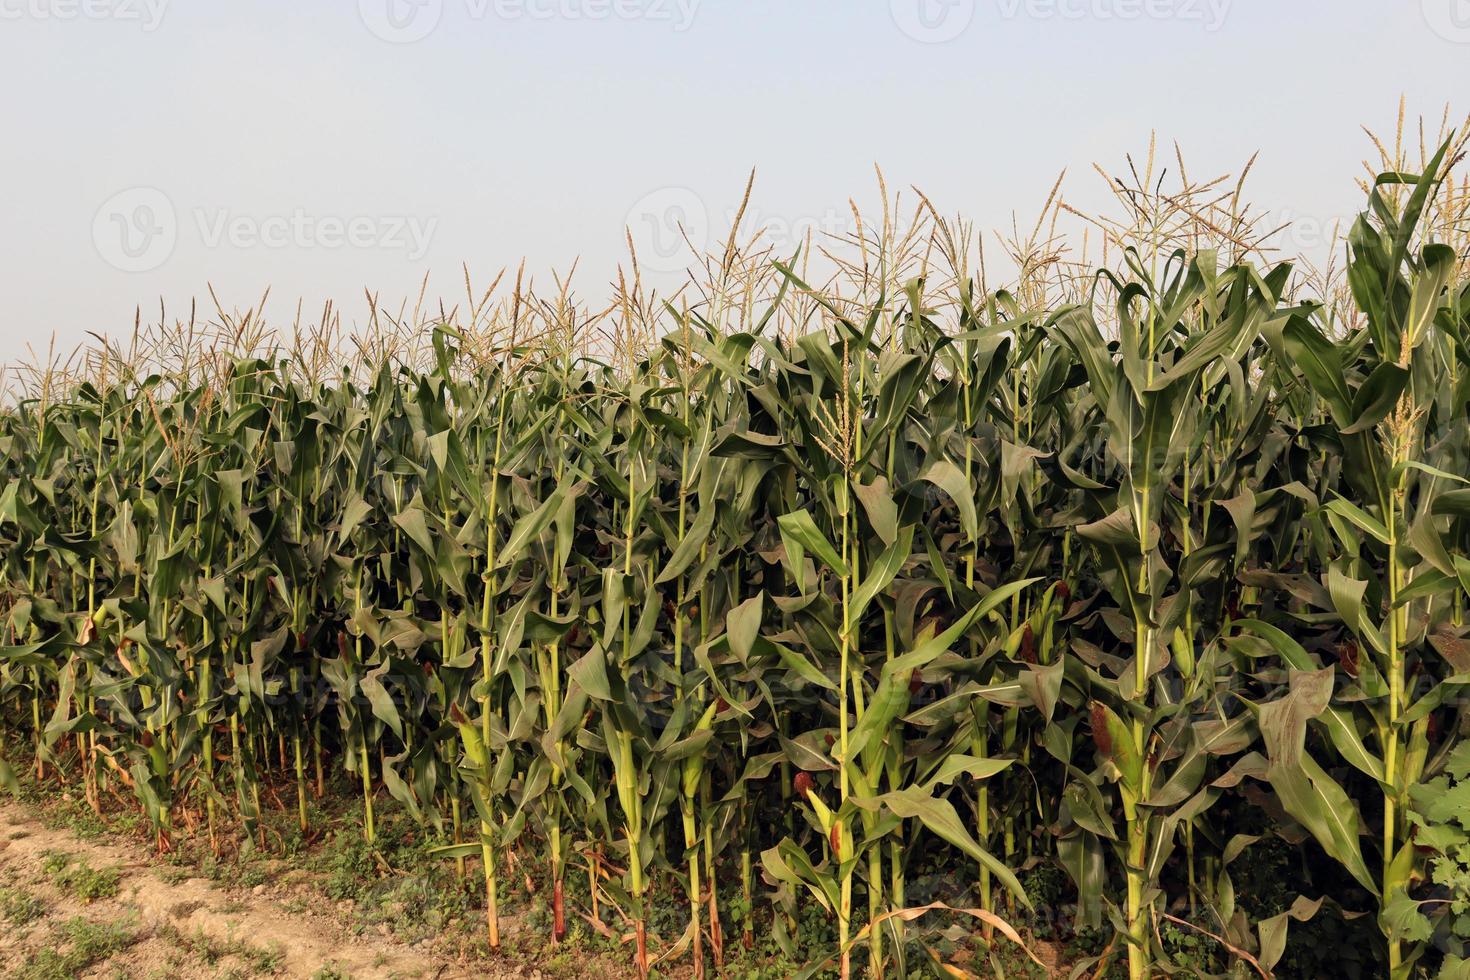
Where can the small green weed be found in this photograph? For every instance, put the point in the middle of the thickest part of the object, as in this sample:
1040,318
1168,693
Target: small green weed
82,944
79,878
20,907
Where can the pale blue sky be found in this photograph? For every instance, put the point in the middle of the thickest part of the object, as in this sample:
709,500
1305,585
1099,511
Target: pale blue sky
154,146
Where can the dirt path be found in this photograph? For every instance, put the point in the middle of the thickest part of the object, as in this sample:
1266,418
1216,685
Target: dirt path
75,907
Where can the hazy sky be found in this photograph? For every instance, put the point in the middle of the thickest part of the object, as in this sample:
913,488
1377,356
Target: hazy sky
150,148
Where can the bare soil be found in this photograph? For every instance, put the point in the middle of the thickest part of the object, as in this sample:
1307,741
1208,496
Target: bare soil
77,907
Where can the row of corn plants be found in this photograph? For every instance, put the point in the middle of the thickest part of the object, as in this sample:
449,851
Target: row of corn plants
794,600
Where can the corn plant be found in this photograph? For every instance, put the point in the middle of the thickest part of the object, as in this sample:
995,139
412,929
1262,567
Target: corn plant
775,601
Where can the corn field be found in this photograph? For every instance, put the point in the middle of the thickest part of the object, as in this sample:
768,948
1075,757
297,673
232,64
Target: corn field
776,597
